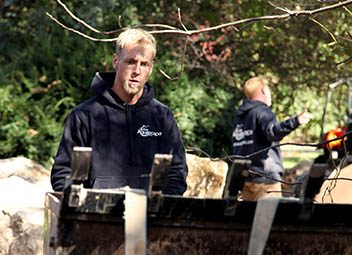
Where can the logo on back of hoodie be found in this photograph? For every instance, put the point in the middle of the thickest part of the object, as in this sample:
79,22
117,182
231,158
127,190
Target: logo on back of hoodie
145,132
242,137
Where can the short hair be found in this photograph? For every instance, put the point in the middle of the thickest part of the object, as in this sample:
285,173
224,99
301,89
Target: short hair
135,35
252,85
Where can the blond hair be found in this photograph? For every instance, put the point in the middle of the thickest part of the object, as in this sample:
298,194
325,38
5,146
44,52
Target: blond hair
252,86
135,36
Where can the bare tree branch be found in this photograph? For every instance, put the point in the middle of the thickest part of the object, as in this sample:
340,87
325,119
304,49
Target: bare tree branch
279,8
168,76
180,20
347,10
344,61
74,17
166,29
79,20
80,33
119,21
327,30
349,34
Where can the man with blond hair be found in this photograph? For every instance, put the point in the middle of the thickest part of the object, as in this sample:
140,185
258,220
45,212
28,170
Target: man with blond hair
256,129
123,124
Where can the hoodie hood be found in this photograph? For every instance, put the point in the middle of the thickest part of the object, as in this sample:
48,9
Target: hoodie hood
102,83
248,105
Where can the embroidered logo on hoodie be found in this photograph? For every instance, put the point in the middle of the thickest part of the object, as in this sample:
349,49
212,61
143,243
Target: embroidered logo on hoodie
145,132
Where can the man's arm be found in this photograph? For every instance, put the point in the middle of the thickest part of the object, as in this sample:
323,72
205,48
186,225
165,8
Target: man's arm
74,135
274,130
277,130
176,184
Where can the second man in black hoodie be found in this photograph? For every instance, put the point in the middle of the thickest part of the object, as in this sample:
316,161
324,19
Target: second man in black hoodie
255,129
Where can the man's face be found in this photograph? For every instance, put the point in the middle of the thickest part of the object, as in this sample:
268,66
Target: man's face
133,67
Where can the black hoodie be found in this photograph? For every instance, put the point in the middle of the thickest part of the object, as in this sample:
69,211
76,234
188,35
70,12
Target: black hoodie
124,139
256,128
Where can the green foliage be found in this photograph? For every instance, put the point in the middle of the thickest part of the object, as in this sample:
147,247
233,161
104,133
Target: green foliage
26,128
46,70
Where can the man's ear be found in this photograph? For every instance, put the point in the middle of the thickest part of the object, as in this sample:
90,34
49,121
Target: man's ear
151,69
115,61
262,90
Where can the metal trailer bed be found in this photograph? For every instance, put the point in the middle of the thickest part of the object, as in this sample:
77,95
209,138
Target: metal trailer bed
180,225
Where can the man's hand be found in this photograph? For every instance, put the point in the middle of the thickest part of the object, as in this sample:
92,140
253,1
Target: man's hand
304,117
